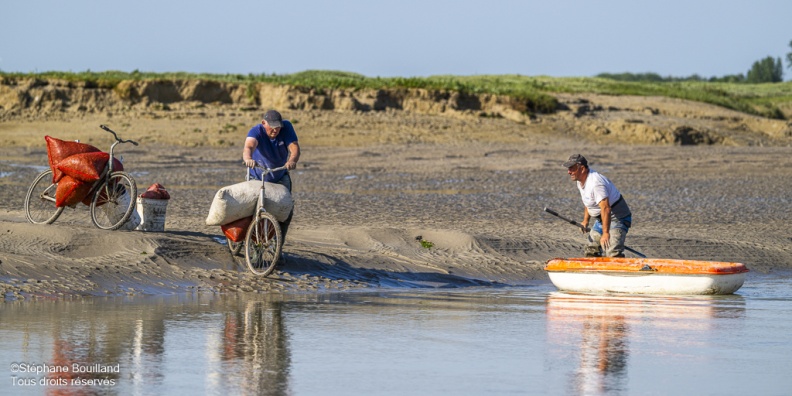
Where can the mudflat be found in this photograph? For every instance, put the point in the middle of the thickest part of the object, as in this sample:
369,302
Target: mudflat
370,186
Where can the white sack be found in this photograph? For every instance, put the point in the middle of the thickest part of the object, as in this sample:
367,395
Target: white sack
116,212
239,200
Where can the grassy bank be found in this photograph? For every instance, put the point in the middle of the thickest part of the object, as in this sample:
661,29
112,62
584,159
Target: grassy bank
759,99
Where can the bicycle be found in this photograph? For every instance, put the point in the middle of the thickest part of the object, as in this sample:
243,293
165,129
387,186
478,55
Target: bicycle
263,241
112,192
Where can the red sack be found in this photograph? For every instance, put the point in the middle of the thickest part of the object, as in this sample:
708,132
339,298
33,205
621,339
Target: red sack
88,198
58,150
156,191
87,167
236,230
70,191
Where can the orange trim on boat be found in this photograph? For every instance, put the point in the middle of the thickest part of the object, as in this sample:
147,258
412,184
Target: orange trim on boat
624,264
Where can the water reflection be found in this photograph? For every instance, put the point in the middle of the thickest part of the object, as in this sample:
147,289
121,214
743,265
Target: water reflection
238,345
600,328
254,340
483,341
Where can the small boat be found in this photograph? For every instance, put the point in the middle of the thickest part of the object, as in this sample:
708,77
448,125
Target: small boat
645,276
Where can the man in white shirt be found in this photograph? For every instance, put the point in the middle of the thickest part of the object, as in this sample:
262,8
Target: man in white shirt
602,202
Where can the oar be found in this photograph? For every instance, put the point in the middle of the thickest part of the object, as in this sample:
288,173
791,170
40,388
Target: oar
573,222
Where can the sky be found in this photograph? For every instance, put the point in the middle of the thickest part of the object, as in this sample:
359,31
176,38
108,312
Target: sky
409,38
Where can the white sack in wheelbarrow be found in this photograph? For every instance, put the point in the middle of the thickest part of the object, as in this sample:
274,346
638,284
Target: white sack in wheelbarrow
239,200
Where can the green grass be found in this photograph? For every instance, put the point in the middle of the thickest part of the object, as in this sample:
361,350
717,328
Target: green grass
426,244
534,92
757,99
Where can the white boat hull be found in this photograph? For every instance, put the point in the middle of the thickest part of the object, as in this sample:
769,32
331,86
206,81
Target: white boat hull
646,283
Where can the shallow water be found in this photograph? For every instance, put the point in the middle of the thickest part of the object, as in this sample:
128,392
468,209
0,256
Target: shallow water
530,340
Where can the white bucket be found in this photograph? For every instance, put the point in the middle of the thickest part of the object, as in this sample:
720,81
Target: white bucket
152,214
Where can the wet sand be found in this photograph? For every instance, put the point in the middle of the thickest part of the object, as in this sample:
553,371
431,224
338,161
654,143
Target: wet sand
476,194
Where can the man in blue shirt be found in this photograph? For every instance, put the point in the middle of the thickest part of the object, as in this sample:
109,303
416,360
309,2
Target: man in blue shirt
274,144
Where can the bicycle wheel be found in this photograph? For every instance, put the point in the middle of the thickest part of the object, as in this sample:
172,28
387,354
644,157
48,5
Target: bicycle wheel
263,244
40,200
234,247
114,201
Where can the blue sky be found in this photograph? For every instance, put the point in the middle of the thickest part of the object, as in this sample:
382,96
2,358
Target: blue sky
395,38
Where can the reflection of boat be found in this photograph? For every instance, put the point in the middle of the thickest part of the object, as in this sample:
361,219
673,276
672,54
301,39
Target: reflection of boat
645,276
593,336
671,312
